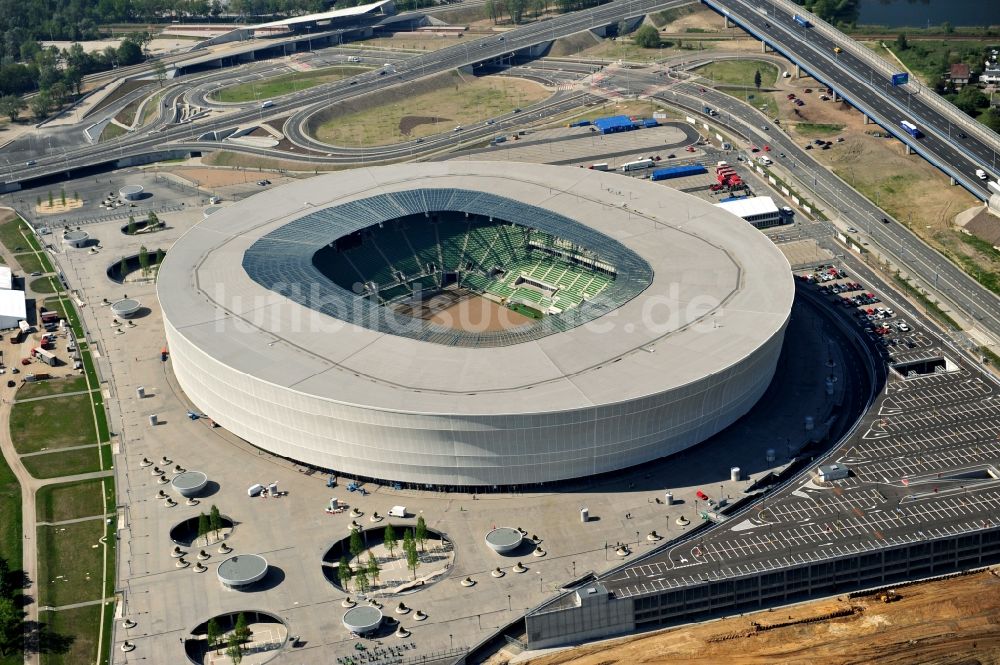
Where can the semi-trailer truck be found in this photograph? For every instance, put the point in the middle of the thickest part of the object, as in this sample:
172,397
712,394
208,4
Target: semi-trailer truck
638,165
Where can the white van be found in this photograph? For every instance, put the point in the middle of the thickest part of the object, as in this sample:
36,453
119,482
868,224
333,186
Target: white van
267,104
397,511
354,58
764,161
981,174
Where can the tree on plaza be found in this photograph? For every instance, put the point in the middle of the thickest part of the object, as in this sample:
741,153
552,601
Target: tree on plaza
143,259
389,540
234,650
355,546
373,567
50,198
213,632
152,221
412,558
214,520
344,573
420,532
62,195
361,580
158,257
203,527
241,630
123,268
76,196
131,225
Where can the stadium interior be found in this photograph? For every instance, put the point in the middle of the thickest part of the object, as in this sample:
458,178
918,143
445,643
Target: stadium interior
421,264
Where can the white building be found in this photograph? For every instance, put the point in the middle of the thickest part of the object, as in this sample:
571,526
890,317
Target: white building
6,278
760,211
828,472
12,308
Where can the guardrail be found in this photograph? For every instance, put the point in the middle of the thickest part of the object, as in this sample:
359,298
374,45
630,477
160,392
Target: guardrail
931,98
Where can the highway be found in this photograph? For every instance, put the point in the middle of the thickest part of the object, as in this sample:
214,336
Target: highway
895,240
867,88
466,53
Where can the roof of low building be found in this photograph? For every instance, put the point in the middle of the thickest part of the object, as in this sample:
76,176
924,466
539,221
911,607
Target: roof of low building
755,205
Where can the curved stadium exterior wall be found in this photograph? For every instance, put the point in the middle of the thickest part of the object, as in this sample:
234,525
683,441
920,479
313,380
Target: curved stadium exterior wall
590,400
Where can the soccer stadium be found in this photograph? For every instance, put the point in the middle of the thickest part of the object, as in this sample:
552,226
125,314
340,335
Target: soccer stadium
474,324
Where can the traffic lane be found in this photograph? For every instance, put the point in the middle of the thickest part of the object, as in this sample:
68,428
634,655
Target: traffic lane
968,294
861,69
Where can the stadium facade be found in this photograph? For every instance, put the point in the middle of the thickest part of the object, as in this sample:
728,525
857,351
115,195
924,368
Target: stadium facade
304,321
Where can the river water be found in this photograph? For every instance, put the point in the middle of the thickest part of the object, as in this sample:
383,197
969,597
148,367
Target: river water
918,13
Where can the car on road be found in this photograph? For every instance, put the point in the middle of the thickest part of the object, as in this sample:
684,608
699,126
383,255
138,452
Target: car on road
517,110
458,128
36,274
764,127
962,135
981,174
30,162
837,49
851,229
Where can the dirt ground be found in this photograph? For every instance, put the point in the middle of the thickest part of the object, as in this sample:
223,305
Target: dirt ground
212,178
477,314
948,621
906,186
57,206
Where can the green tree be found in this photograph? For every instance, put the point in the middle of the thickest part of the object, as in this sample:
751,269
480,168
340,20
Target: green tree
901,42
11,626
407,541
213,632
355,546
412,558
41,105
38,201
992,119
214,520
160,71
50,198
373,568
144,259
241,630
947,27
361,581
123,268
152,221
420,532
131,225
389,540
76,196
756,80
647,37
11,106
203,527
344,573
62,195
158,257
234,650
970,100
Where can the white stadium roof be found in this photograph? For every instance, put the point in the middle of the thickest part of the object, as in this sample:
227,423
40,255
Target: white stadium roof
720,291
12,304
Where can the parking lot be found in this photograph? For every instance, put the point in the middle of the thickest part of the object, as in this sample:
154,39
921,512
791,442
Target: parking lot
923,463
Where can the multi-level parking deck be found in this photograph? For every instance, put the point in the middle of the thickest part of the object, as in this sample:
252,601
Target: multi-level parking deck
921,500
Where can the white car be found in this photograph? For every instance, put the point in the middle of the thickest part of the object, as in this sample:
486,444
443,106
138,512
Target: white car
903,327
981,174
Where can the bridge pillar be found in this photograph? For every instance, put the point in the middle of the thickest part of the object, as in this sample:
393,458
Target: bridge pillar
726,24
909,150
836,97
763,47
868,120
798,72
952,181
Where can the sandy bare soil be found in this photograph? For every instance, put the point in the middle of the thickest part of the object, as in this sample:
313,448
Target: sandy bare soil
948,621
477,314
214,177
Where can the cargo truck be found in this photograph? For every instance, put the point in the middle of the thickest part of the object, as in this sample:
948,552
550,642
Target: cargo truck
45,356
677,172
802,21
637,165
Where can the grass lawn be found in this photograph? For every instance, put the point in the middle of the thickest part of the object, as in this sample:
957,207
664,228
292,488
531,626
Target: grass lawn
284,84
816,129
69,501
29,263
10,516
10,235
54,423
80,627
759,100
44,285
70,384
70,563
740,72
449,100
66,463
112,131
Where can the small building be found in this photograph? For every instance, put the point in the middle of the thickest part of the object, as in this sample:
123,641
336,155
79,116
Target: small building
991,75
959,74
828,472
760,211
130,192
6,278
12,308
615,123
76,238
